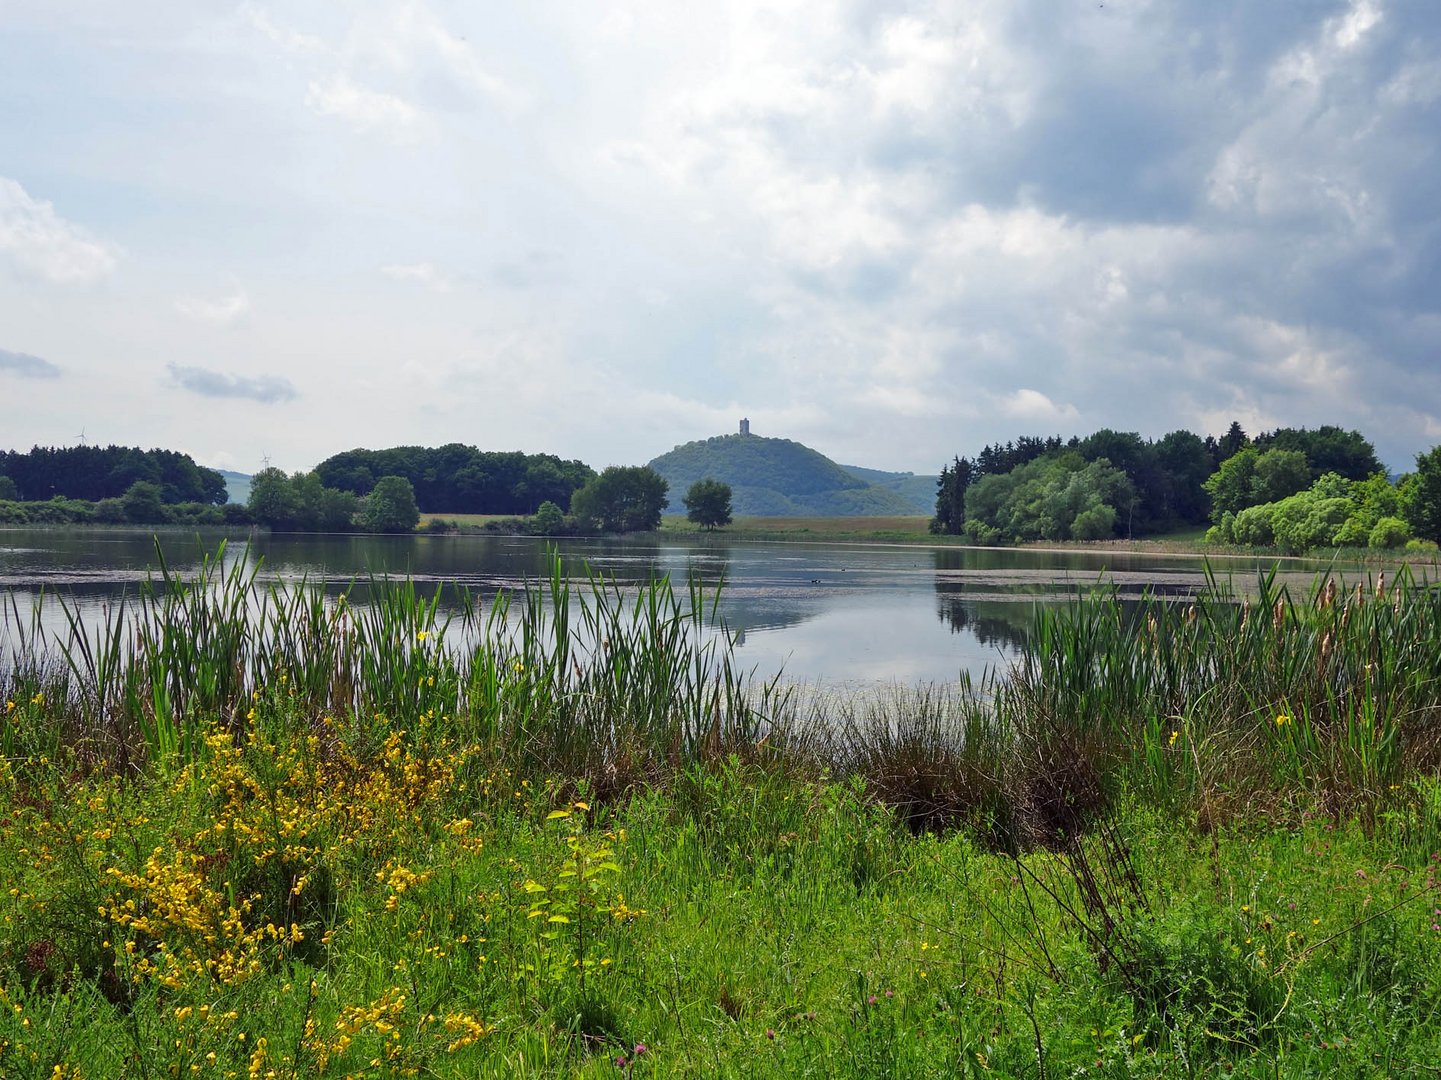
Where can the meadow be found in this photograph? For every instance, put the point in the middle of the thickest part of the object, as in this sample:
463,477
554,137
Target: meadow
247,831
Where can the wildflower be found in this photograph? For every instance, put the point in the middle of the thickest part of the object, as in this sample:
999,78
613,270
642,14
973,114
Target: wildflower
871,1000
770,1033
639,1049
422,635
1282,719
1174,736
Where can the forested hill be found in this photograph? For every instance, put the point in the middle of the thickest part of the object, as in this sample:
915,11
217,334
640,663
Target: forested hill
776,478
460,479
108,472
919,491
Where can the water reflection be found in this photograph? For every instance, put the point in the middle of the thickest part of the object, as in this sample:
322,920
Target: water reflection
823,612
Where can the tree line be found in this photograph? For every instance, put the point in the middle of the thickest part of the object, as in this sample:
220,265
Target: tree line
1118,484
461,479
93,473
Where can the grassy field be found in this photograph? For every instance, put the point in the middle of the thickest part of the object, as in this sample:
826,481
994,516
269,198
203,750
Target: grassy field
1199,840
812,528
472,520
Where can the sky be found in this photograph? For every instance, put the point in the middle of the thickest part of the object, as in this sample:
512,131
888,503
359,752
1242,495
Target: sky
271,231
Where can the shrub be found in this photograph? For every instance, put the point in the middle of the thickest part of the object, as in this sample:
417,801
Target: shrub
1390,532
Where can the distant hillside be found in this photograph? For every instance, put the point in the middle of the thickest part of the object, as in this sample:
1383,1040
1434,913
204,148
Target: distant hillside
919,491
777,478
237,486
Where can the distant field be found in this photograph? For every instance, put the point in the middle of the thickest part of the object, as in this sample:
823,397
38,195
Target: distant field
880,528
466,519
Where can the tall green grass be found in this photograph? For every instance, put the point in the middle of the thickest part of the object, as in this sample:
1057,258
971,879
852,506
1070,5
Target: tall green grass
574,675
1218,706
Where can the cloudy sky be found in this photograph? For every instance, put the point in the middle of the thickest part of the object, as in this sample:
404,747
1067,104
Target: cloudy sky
893,231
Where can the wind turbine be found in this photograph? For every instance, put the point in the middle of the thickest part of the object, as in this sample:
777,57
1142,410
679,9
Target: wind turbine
80,437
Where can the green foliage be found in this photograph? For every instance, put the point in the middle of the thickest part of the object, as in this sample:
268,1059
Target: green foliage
8,491
299,503
1046,498
1326,449
390,507
951,488
583,894
1389,533
1253,477
142,503
775,477
1422,506
459,479
708,503
623,498
1308,520
1166,479
1332,512
92,473
549,520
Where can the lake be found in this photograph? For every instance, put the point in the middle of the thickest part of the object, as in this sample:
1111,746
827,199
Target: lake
829,614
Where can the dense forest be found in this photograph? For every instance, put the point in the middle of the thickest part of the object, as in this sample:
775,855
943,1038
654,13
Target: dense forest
1293,488
458,479
93,473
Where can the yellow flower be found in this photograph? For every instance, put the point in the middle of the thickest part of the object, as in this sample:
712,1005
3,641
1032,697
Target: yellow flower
422,635
1174,736
1282,720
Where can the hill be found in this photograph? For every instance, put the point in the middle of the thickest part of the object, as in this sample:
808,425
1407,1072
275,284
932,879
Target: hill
237,486
777,478
919,491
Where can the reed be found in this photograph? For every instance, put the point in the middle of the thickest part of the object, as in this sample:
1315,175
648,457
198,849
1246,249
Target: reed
1225,704
574,676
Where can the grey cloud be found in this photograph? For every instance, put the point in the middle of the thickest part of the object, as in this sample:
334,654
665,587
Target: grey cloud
268,389
30,367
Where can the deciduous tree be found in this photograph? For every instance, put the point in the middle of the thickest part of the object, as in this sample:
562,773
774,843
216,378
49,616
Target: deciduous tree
708,503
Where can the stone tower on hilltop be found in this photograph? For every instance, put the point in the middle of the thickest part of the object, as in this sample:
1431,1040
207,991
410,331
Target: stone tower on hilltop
745,426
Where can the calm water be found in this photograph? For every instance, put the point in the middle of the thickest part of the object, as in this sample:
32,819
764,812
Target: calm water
825,613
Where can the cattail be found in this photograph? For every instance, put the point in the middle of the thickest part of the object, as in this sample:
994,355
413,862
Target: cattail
1278,615
1380,584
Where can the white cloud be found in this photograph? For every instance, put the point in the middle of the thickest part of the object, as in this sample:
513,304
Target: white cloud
1032,405
292,41
363,109
422,273
222,311
883,229
42,244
